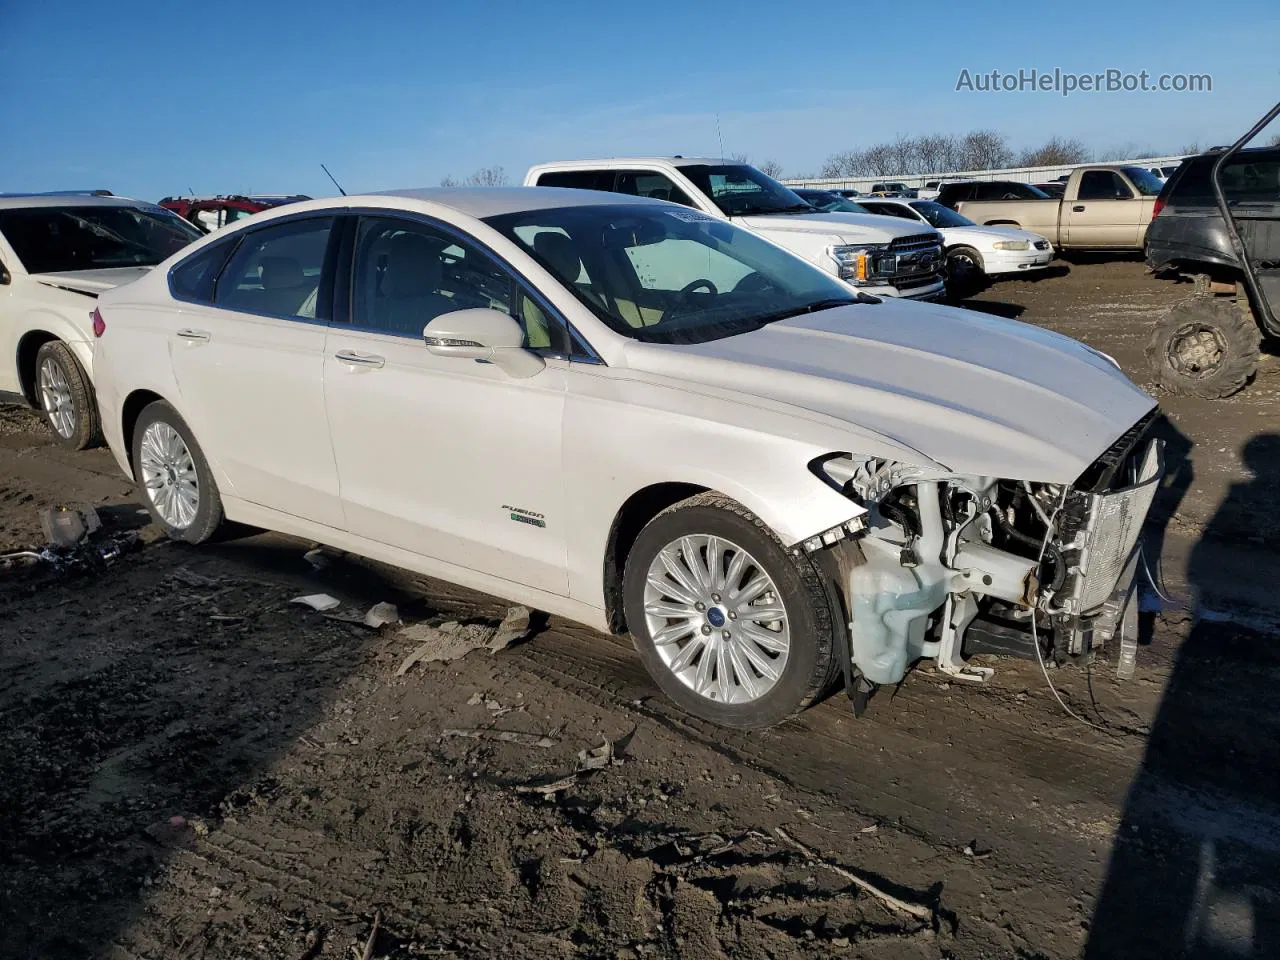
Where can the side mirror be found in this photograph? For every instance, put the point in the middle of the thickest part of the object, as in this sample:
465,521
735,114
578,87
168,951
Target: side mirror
5,279
481,333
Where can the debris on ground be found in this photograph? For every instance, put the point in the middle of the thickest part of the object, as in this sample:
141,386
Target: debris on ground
188,577
514,626
590,760
90,553
381,614
317,557
449,641
917,910
318,601
67,527
367,953
506,736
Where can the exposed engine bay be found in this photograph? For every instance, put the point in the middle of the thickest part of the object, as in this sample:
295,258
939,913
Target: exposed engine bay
937,557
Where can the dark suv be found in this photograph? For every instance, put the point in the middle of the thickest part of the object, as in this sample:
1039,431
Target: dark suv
1217,225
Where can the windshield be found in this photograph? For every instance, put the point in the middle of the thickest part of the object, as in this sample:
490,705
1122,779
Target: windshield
940,216
61,239
670,275
740,190
1148,184
831,202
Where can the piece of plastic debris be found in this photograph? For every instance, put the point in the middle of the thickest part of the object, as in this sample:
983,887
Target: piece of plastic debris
449,641
871,829
595,758
67,526
514,626
547,789
318,601
476,699
505,736
190,578
317,558
381,614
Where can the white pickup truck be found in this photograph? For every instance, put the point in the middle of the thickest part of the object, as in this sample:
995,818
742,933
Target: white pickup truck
877,255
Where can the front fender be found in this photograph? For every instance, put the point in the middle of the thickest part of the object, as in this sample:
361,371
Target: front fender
622,438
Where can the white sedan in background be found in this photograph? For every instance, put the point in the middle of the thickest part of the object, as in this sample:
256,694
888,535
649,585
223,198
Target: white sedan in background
972,252
632,414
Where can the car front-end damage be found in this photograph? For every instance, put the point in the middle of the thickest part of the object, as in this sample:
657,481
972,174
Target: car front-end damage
941,559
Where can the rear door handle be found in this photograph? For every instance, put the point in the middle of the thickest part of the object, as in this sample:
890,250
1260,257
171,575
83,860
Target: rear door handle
194,336
358,359
1077,209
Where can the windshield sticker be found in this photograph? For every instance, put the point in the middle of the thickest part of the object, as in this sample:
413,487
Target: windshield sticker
689,216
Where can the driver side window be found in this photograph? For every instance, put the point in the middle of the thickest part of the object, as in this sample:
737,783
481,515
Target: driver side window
407,273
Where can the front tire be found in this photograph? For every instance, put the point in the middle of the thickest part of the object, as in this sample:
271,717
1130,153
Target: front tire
1205,347
966,272
173,476
730,626
66,397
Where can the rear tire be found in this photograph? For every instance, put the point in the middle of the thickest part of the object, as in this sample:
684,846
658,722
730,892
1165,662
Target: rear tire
173,476
1205,347
65,397
743,683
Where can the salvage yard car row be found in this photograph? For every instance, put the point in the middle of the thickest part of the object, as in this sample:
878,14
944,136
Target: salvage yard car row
658,396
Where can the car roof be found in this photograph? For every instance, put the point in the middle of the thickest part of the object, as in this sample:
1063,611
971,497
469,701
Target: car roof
21,202
625,161
483,202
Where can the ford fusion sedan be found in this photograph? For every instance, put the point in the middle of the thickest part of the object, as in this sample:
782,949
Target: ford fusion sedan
642,417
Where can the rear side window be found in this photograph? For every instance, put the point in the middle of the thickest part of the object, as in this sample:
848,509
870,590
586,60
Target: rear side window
1246,177
577,179
193,278
276,271
646,183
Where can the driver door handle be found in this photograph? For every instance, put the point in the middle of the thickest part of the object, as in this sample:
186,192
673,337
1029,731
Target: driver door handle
1077,209
354,359
194,336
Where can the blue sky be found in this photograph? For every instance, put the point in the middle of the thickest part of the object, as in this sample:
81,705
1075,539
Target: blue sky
150,98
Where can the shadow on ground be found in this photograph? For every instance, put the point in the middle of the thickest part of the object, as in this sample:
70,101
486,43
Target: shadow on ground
1195,870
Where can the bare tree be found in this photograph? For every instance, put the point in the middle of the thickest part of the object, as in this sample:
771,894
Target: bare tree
985,150
1274,141
1055,152
878,161
936,152
771,168
1194,145
1129,151
846,164
484,177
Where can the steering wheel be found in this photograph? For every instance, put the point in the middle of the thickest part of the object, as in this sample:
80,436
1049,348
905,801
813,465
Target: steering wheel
699,284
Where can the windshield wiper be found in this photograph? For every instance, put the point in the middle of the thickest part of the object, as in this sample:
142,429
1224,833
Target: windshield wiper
812,308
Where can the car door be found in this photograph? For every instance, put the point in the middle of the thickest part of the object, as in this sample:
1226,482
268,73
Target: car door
446,458
1105,212
248,360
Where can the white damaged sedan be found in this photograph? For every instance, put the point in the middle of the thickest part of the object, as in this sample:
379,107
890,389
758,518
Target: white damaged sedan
630,414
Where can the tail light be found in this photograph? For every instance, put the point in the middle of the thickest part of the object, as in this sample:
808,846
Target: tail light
99,325
1159,205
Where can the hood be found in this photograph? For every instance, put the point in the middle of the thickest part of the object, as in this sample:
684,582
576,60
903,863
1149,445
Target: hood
92,282
982,236
856,227
977,394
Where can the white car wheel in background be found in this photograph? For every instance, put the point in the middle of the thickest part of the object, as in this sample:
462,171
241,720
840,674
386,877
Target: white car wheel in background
173,477
729,625
65,396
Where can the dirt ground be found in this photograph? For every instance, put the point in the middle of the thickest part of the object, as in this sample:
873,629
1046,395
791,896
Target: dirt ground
191,766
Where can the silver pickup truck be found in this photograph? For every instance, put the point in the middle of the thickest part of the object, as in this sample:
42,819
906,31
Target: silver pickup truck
1104,207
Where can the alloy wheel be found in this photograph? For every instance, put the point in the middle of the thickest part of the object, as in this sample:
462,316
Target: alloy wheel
716,619
169,475
55,396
